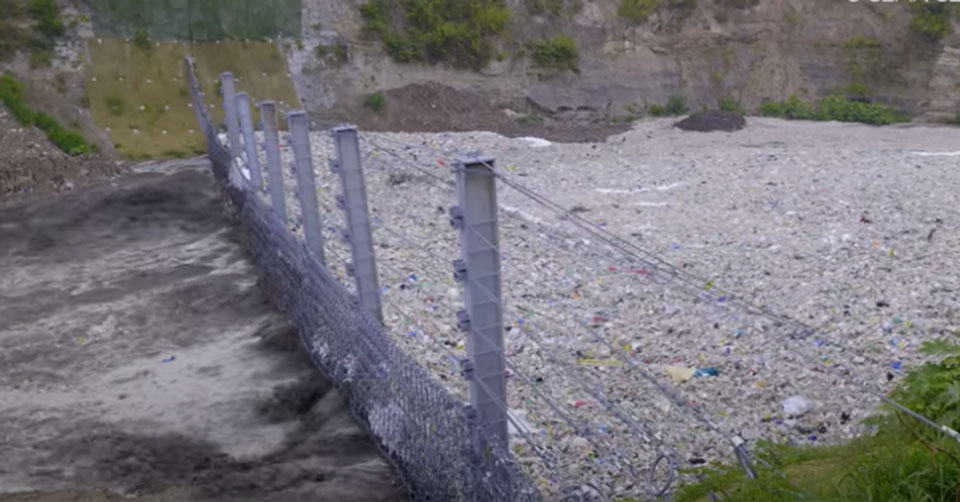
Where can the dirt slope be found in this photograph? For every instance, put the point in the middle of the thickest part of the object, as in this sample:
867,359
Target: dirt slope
139,357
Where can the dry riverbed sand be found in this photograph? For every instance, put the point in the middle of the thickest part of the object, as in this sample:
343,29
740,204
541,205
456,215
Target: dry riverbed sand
138,357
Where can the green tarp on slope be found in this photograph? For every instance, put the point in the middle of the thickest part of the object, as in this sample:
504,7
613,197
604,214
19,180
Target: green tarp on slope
197,19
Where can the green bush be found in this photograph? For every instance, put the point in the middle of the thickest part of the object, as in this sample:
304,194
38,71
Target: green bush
857,89
837,107
376,102
457,32
46,14
559,52
955,120
930,22
657,111
676,105
142,40
637,11
11,94
116,105
729,104
71,142
792,108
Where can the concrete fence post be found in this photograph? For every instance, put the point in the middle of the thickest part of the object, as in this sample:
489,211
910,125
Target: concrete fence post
306,183
354,202
479,268
229,91
271,141
249,140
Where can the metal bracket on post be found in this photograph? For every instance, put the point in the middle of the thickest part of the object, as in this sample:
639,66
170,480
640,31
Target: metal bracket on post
229,91
354,201
306,183
459,270
476,219
271,140
249,140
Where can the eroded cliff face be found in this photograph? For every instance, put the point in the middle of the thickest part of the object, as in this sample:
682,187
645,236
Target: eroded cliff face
702,50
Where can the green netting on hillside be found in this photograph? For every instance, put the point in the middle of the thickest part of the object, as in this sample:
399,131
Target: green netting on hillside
197,19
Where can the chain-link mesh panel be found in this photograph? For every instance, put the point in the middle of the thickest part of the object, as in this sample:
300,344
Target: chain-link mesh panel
197,19
419,426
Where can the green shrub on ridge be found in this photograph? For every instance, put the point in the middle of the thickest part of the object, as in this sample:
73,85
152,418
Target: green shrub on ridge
833,107
559,52
456,32
11,94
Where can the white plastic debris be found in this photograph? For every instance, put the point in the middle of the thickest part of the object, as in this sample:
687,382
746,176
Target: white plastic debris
536,142
796,406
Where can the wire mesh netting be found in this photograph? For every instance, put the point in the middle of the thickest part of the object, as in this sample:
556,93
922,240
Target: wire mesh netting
420,427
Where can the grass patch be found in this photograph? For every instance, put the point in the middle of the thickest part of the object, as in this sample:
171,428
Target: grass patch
456,32
902,461
559,52
637,11
834,107
122,78
376,102
11,94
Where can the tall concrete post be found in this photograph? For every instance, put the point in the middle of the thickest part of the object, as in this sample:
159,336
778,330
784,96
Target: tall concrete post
229,91
271,141
479,269
354,202
306,183
249,140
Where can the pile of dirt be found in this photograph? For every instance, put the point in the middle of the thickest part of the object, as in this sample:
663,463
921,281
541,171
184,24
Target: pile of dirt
434,107
31,164
712,120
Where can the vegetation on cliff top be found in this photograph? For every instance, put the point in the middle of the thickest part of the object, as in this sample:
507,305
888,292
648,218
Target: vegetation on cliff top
456,32
45,26
559,52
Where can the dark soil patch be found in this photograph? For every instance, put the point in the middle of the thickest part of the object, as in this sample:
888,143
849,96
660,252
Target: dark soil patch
434,107
712,120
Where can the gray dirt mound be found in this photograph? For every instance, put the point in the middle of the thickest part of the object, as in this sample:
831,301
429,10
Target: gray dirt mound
31,164
712,120
435,107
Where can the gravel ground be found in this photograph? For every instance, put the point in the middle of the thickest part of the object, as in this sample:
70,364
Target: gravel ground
850,229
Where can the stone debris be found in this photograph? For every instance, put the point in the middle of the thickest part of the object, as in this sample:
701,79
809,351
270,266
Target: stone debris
770,216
